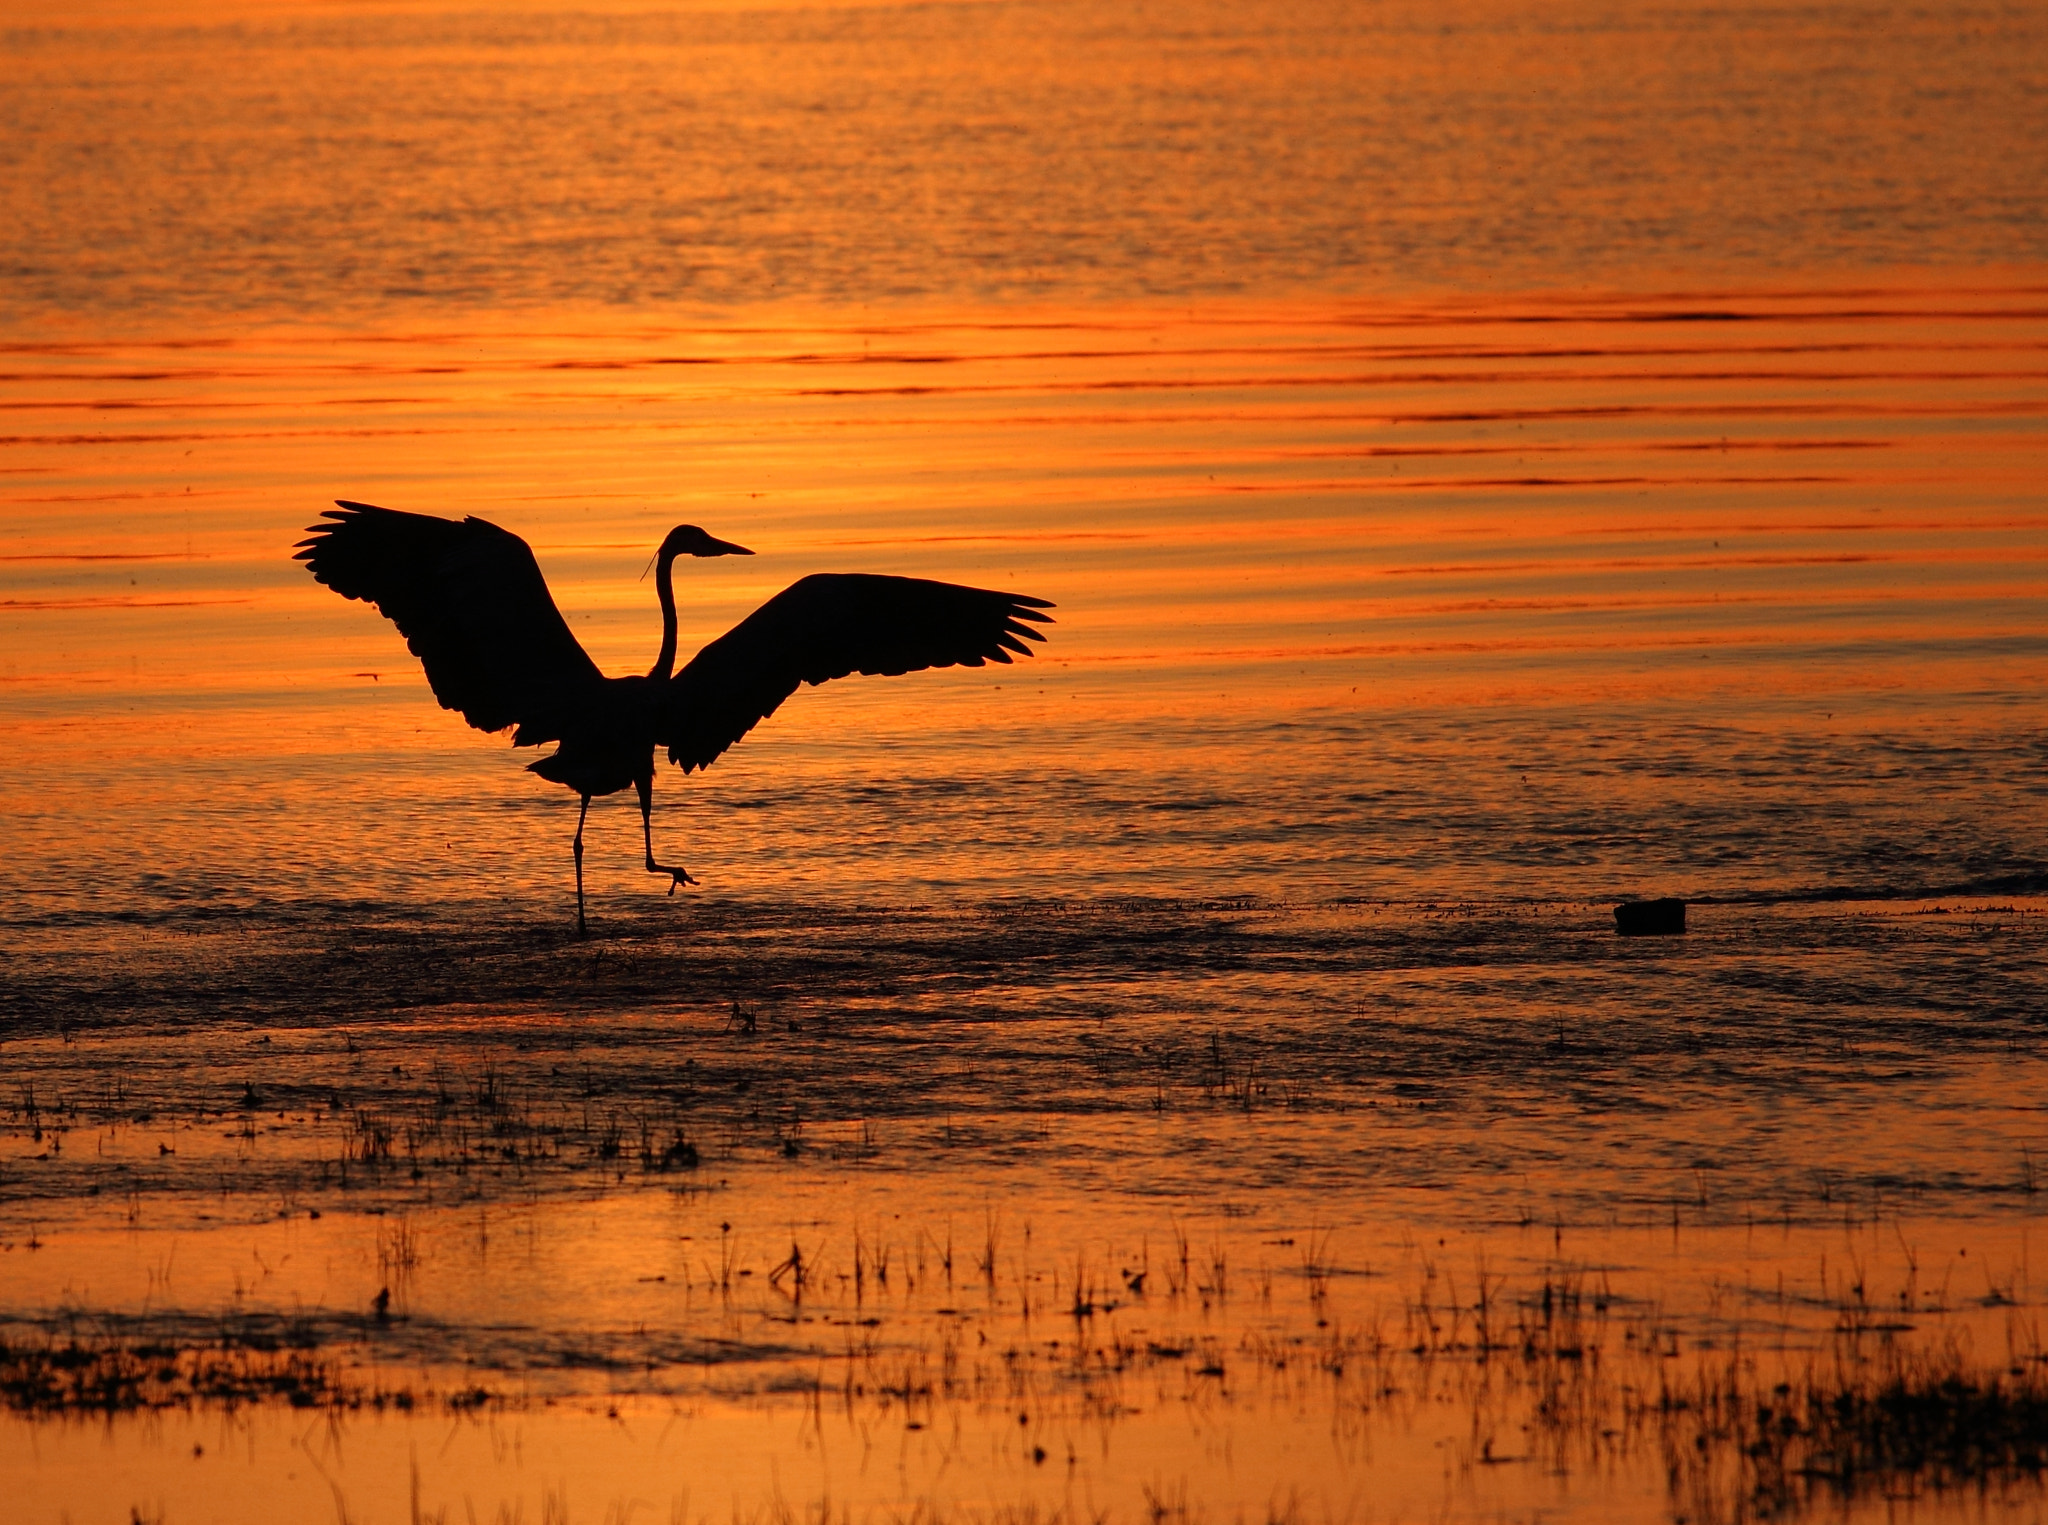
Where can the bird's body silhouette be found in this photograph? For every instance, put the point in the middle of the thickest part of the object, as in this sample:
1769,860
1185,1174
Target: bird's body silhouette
472,605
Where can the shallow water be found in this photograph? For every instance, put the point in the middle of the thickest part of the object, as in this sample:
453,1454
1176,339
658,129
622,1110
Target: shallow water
1743,608
1487,467
1220,1208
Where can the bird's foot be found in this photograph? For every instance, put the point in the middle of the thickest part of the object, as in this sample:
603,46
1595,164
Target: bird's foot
677,876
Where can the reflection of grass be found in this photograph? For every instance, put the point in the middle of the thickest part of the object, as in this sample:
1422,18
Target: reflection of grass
88,1377
391,1084
398,1250
52,1377
1549,1374
355,1112
1897,1426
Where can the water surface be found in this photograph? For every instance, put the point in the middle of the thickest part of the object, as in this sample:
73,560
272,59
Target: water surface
1487,466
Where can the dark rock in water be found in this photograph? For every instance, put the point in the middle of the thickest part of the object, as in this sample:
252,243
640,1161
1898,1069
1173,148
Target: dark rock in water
1649,918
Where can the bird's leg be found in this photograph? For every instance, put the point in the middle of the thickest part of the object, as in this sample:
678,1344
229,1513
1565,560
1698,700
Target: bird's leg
676,875
582,928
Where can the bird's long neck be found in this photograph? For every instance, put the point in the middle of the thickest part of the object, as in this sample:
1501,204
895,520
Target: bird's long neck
664,589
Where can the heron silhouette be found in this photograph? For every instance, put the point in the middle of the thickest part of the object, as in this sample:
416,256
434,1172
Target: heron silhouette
472,605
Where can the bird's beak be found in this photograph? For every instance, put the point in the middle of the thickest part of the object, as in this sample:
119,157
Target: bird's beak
723,548
650,566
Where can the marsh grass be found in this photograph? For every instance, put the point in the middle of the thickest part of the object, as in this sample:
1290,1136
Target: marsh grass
1902,1425
374,1094
83,1376
1553,1374
1556,1375
529,1092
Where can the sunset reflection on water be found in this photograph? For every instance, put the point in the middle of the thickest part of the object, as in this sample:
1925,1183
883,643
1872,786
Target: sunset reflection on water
1526,530
1487,464
1490,612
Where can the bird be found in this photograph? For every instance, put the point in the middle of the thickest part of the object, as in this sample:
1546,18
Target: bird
471,602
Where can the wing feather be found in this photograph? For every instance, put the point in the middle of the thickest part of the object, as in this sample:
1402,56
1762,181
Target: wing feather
472,605
831,625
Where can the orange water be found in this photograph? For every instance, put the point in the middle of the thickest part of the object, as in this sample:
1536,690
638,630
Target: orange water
1780,563
1487,463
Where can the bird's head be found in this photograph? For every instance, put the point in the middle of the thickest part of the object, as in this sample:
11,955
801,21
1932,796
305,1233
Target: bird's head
688,540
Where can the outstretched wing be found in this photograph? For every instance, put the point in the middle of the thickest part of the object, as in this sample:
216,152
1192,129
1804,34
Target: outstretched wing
470,601
827,626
